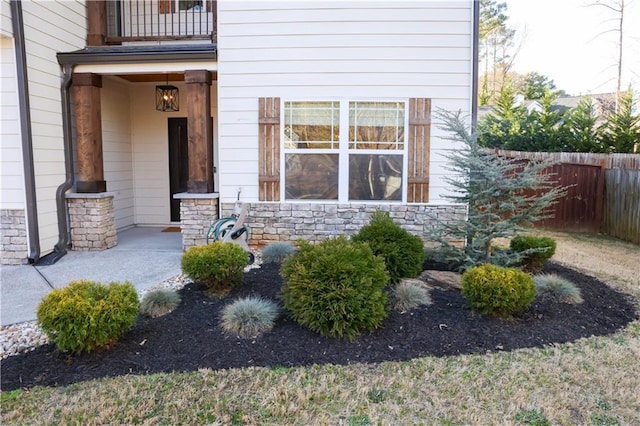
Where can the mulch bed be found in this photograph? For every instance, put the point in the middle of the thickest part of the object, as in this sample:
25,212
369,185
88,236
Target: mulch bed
189,338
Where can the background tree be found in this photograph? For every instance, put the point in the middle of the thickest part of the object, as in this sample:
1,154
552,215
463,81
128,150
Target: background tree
535,85
621,131
584,134
504,197
504,124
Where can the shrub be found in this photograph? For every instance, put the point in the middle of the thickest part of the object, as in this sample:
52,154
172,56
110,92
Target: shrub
557,288
249,317
219,265
335,288
403,253
86,315
277,252
159,302
535,251
409,296
497,291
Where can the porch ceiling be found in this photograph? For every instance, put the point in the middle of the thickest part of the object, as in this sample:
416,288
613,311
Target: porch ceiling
158,77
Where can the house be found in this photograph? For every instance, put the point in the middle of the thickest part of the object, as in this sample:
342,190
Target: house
165,112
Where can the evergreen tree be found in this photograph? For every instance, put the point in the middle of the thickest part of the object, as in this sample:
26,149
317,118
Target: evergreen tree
584,133
504,197
622,129
504,125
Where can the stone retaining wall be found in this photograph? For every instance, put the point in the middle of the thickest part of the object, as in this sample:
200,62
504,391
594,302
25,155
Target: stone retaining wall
92,221
270,222
13,231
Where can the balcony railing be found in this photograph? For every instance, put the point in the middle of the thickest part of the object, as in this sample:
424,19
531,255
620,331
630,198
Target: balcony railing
157,20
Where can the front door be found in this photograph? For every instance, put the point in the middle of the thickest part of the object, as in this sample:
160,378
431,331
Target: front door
178,163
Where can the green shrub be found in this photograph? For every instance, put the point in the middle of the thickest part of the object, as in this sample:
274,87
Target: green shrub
535,251
408,296
403,253
249,317
557,288
159,302
219,265
277,252
335,288
497,291
86,315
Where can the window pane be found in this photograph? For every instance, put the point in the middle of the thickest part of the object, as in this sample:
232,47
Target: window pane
376,125
311,124
311,176
375,177
189,4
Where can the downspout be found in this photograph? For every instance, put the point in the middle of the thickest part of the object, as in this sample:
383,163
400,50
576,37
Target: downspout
64,240
24,106
475,65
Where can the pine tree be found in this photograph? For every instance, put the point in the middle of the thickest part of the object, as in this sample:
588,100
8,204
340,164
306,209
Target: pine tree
582,126
622,129
504,197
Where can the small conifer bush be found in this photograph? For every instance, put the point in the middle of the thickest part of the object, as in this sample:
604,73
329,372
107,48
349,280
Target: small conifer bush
219,265
409,296
277,252
159,302
535,251
249,317
403,253
86,315
497,291
335,288
557,288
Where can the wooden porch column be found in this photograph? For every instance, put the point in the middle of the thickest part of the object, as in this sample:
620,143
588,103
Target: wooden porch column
86,101
96,22
200,131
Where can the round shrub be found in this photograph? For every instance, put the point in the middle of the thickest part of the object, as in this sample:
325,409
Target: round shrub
159,302
219,265
277,252
249,317
557,288
409,295
497,291
335,288
86,315
535,251
402,252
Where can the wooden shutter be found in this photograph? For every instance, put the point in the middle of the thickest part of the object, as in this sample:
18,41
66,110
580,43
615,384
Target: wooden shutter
269,149
166,6
419,147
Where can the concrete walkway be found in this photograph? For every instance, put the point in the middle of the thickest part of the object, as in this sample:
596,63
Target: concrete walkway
143,256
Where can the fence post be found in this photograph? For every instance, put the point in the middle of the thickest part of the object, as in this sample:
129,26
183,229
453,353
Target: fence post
600,194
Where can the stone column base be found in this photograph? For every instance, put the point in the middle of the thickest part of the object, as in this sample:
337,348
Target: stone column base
92,221
197,213
13,229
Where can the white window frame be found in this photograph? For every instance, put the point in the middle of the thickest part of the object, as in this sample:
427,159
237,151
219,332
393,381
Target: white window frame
344,151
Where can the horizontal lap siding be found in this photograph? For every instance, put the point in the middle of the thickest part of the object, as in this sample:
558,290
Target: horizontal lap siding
328,50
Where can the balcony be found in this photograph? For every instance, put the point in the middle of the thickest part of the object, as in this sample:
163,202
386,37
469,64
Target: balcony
140,21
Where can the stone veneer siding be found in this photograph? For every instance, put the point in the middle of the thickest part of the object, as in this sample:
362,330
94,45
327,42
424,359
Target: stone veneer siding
270,222
196,215
92,220
13,227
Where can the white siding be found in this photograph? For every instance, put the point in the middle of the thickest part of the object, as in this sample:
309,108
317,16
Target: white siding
5,19
11,170
50,27
150,145
116,147
336,50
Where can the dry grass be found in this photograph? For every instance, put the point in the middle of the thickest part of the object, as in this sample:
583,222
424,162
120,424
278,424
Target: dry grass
591,381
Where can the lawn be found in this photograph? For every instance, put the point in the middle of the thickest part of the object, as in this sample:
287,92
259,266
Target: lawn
589,381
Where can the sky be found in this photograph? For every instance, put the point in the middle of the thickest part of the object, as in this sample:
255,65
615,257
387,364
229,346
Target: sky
560,39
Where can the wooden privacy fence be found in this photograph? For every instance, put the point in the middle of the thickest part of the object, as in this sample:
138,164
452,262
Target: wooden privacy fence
603,193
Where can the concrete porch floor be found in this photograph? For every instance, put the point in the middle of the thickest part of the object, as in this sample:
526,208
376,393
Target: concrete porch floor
145,256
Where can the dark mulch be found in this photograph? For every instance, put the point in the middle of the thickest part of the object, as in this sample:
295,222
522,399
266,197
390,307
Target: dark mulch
189,338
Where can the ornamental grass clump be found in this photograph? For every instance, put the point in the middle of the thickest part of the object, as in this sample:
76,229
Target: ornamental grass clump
409,296
497,291
85,315
249,317
335,288
403,253
534,251
557,288
159,302
277,252
219,266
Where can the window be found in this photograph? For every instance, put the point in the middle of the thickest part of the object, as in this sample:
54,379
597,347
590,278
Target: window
347,151
344,150
169,6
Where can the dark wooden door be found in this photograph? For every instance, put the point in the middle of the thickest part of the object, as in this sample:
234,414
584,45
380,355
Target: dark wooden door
178,162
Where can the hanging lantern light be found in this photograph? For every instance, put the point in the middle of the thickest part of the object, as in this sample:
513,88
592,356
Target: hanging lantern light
167,97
